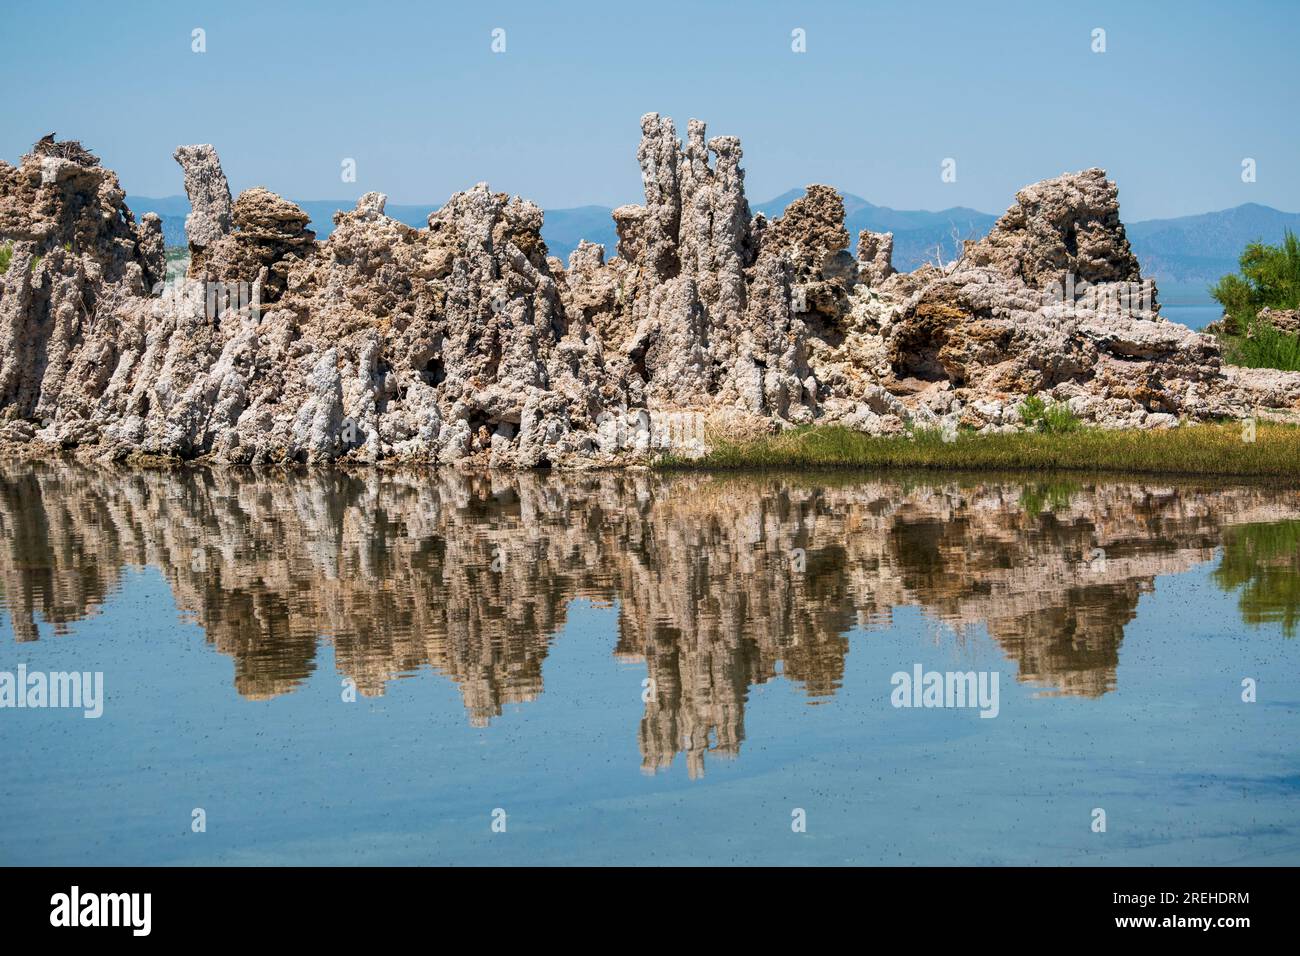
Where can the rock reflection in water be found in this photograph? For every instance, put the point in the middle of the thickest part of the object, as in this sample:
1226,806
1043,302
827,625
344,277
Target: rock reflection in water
721,582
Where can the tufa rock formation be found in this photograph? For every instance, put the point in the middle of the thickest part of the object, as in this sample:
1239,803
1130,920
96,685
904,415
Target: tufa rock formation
473,575
209,195
466,342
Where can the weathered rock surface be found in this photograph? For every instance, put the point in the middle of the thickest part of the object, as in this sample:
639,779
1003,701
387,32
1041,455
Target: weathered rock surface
875,256
77,260
1060,226
209,194
269,237
1284,320
467,342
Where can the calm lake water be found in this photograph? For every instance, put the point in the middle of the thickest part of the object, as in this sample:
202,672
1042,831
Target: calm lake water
638,668
1189,304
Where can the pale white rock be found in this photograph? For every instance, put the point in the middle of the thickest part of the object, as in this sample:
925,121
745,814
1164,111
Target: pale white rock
209,194
466,342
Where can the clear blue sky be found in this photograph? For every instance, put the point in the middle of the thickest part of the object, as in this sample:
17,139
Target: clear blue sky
885,92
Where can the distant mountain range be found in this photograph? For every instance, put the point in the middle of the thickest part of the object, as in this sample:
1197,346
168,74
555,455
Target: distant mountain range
1203,248
1190,249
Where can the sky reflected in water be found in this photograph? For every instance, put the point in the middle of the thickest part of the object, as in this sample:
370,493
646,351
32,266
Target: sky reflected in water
640,668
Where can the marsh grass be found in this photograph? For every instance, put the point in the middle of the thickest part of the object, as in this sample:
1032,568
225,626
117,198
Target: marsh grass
1263,347
1195,450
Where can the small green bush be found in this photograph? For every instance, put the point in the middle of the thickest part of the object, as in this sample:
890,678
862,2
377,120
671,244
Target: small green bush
1268,275
1264,346
1058,420
6,256
1054,419
1032,410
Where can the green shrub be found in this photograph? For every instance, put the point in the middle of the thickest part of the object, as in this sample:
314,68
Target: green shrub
1263,346
1032,410
1055,419
1058,420
6,256
1268,276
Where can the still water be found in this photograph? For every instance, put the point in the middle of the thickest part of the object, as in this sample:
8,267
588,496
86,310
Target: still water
1189,304
641,668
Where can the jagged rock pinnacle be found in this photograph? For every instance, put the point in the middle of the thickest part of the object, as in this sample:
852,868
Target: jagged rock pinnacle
466,342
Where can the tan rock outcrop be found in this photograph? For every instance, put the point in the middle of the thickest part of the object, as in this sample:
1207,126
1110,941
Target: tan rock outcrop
1062,226
466,342
209,194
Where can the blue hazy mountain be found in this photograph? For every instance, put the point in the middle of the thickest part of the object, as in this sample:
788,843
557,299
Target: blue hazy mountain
1191,250
563,229
1202,248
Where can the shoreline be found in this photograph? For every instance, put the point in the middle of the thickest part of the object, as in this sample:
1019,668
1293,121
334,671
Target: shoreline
1188,451
1197,451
